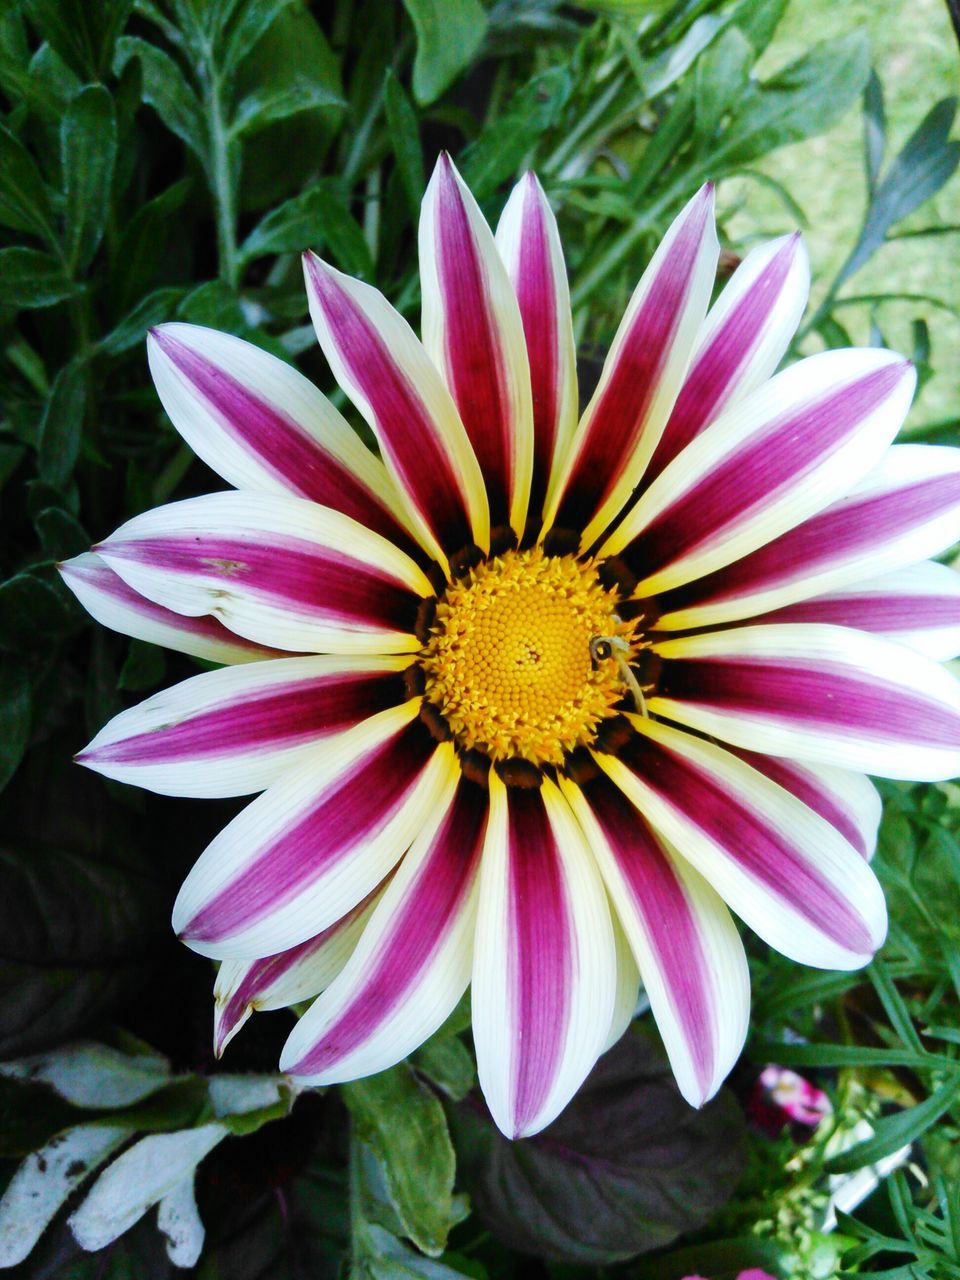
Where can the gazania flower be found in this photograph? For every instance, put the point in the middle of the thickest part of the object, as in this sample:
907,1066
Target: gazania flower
535,703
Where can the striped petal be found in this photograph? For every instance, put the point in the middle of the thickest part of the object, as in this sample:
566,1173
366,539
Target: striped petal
641,377
544,976
413,962
826,694
261,425
308,850
849,801
529,244
918,607
244,987
108,599
906,509
741,343
380,363
627,994
473,332
234,731
279,570
687,947
781,455
781,867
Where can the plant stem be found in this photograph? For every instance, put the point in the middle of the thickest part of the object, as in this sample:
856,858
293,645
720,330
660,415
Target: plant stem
222,180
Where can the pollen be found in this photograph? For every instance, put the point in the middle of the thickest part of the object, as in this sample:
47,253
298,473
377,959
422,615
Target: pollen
509,663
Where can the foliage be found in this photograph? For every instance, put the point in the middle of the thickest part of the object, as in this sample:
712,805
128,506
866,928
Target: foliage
169,159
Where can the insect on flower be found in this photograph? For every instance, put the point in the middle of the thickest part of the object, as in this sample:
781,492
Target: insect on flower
535,702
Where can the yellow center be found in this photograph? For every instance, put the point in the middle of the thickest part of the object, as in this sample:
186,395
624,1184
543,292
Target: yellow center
508,662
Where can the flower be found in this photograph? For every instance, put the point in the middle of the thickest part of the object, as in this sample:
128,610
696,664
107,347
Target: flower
532,702
781,1096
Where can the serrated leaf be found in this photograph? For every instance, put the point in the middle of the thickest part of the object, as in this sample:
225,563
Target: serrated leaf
449,33
61,426
15,715
165,88
405,141
88,152
404,1125
624,1170
268,104
23,197
30,278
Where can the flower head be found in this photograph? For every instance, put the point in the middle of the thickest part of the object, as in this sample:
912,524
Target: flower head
534,701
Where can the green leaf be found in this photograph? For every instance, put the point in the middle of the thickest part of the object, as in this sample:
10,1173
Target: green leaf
874,130
23,198
798,102
61,426
758,20
721,77
61,535
83,34
404,1125
896,1131
33,609
296,225
15,717
501,148
387,1258
141,260
405,141
448,1064
30,278
926,162
342,234
449,33
156,307
88,153
252,21
625,1169
269,103
144,668
167,91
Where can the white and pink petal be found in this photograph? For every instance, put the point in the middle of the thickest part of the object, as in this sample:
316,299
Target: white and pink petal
918,607
262,425
474,334
641,377
108,599
237,730
413,962
816,693
686,946
277,570
545,968
778,457
743,339
779,865
905,509
849,801
383,368
244,987
317,842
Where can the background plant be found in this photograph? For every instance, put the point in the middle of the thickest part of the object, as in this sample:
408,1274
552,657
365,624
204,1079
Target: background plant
170,158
